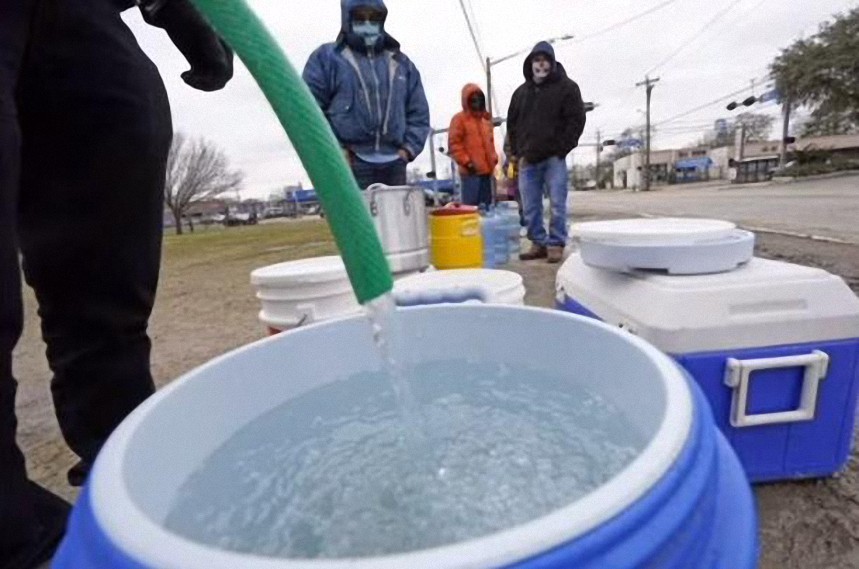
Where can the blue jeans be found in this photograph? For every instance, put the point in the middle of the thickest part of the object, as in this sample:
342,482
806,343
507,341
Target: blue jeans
477,190
549,174
368,173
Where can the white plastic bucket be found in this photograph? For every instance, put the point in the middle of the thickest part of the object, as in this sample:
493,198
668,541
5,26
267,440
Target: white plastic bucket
302,292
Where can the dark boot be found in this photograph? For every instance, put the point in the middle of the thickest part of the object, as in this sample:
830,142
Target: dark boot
555,255
534,253
52,512
78,474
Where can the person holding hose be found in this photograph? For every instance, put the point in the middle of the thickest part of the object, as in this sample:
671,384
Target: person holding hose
371,94
472,146
85,129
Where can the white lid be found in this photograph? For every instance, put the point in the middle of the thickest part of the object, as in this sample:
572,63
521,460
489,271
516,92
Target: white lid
763,303
497,287
668,231
700,257
315,270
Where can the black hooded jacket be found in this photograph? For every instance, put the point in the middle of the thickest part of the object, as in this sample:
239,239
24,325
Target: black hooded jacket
545,120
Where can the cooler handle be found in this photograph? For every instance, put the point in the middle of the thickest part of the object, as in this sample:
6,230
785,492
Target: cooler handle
307,313
738,376
457,295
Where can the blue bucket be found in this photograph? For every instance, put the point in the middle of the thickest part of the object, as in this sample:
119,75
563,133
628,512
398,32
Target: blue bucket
683,502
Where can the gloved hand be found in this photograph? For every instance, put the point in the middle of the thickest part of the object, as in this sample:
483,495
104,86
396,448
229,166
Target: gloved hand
211,59
472,169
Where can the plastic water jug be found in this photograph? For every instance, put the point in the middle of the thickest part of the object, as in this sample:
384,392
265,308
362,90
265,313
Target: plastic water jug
509,210
489,229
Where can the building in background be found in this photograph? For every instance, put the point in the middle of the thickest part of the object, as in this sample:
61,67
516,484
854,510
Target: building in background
697,164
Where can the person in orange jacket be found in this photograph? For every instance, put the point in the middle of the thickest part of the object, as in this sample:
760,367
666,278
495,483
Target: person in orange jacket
472,145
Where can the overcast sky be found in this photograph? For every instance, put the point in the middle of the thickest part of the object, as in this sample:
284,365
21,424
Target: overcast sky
728,43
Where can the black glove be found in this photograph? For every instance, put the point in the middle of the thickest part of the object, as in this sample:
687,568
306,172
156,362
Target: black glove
472,169
211,59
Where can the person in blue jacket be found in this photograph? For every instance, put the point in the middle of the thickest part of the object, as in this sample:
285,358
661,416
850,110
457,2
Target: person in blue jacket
371,94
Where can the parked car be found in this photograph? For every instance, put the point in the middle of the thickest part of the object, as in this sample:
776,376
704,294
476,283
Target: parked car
241,218
274,211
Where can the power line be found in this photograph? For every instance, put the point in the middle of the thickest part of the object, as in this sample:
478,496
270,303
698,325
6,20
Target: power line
473,35
475,21
623,23
704,106
730,23
719,15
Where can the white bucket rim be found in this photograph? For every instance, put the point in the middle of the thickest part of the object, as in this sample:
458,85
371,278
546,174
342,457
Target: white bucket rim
311,270
149,543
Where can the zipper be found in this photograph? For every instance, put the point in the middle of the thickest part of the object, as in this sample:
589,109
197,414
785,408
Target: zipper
392,74
378,100
350,57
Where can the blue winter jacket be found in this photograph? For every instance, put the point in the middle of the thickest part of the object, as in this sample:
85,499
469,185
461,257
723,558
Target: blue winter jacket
373,97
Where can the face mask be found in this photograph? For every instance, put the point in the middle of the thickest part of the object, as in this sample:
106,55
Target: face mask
370,32
541,70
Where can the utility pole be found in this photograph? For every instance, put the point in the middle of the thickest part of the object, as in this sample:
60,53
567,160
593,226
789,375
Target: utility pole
599,150
489,86
782,159
433,166
740,142
649,83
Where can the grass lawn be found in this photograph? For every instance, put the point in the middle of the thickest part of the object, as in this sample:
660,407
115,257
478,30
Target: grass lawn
206,305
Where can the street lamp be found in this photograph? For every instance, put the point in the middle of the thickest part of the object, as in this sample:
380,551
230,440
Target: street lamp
492,62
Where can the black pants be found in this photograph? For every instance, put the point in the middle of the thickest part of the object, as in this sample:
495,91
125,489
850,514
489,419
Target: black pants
84,134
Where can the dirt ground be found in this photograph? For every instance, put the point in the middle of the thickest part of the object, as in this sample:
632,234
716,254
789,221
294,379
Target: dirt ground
206,307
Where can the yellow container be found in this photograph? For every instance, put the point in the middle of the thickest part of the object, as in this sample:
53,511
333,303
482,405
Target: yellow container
457,242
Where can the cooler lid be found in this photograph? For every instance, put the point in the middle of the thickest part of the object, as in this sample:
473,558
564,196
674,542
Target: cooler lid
315,270
700,256
657,231
763,303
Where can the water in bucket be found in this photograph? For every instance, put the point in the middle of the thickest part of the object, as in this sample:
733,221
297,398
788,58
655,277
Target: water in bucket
327,475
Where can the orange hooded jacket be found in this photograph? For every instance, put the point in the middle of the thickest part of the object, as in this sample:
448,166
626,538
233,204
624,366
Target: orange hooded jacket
471,137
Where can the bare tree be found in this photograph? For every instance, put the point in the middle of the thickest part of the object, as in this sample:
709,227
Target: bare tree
196,171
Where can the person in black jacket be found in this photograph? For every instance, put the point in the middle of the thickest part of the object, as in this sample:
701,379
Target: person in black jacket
545,120
85,129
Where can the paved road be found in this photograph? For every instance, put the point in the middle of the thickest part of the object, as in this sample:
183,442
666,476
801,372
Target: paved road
823,208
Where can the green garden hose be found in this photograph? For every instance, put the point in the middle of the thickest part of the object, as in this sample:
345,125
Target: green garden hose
304,123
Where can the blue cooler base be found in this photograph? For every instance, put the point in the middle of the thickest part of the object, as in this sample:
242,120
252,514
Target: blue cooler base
809,449
701,515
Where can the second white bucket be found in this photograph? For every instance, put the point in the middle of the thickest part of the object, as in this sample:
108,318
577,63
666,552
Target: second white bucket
302,292
463,285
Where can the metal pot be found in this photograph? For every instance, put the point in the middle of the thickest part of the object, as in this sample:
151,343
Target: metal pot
400,216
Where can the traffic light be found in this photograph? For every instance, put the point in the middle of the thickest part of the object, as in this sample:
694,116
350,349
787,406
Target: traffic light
750,101
732,106
789,139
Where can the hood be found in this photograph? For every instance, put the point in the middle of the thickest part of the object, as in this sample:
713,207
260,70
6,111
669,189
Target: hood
467,93
346,7
542,47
